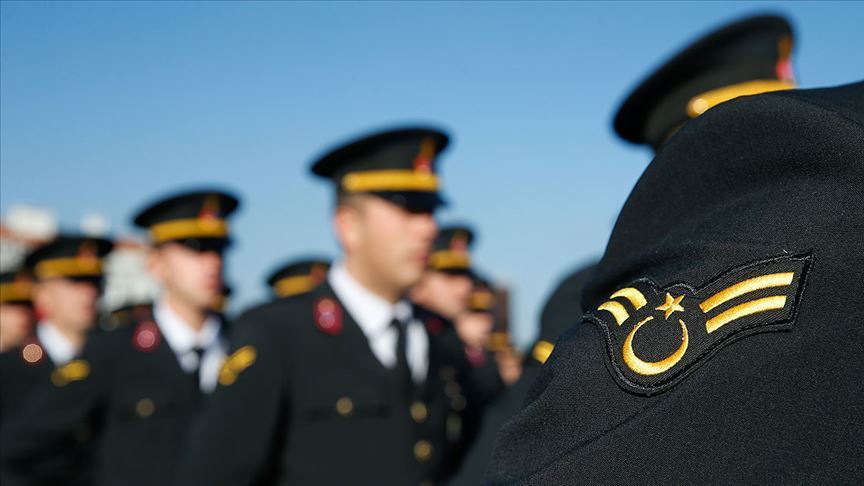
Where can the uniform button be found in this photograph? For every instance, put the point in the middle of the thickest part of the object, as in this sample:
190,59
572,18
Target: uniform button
448,373
451,389
145,407
419,412
454,427
344,406
422,450
458,403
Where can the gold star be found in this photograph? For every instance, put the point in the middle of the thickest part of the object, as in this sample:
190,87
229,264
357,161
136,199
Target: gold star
671,305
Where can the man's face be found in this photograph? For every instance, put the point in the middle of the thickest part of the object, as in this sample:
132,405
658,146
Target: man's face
69,304
474,328
444,293
390,243
16,322
188,275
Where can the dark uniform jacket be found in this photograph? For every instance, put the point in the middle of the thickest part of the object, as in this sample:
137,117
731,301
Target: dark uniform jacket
723,338
25,371
303,400
131,390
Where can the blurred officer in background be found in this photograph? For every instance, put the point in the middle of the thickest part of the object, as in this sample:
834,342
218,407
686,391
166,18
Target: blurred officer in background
746,57
298,277
446,285
68,281
142,382
16,308
349,383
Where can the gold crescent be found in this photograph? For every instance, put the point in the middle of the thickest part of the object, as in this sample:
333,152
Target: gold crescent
649,368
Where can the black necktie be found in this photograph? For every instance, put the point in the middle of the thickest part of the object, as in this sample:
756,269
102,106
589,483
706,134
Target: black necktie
195,376
403,371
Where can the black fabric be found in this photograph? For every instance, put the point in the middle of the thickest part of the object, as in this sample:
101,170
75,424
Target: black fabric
25,373
187,205
757,178
69,246
298,268
136,398
388,149
753,48
402,370
563,308
195,374
403,149
317,407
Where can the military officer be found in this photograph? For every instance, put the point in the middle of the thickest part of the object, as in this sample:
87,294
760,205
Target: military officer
68,280
552,323
446,285
298,277
722,338
348,383
16,308
755,58
142,382
446,288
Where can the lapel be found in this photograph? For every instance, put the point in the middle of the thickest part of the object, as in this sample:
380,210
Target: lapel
351,344
165,360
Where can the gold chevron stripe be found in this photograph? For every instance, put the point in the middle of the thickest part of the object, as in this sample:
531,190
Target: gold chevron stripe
745,287
616,309
748,308
633,295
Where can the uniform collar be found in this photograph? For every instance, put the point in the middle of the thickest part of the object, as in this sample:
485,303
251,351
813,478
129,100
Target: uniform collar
59,349
179,334
372,313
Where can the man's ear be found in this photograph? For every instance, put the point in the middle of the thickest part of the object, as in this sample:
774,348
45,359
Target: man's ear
156,264
347,224
41,297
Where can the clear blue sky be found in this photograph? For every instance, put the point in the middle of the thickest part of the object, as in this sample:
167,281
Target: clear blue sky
107,105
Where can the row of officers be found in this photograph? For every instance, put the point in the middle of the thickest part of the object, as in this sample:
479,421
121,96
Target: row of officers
381,363
690,353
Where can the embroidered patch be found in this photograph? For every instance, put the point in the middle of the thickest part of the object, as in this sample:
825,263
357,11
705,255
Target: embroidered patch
433,325
236,363
146,337
656,336
32,353
542,350
328,316
75,370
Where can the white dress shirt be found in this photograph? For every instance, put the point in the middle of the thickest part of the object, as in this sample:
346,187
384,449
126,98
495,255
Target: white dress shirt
374,314
183,340
59,349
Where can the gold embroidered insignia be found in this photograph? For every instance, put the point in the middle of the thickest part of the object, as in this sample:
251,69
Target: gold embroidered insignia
75,370
236,363
656,336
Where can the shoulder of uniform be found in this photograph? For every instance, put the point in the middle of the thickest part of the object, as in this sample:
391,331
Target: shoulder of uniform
30,352
126,318
846,101
434,322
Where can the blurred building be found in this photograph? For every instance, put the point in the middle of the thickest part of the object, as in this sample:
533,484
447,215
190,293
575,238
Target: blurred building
127,280
24,227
